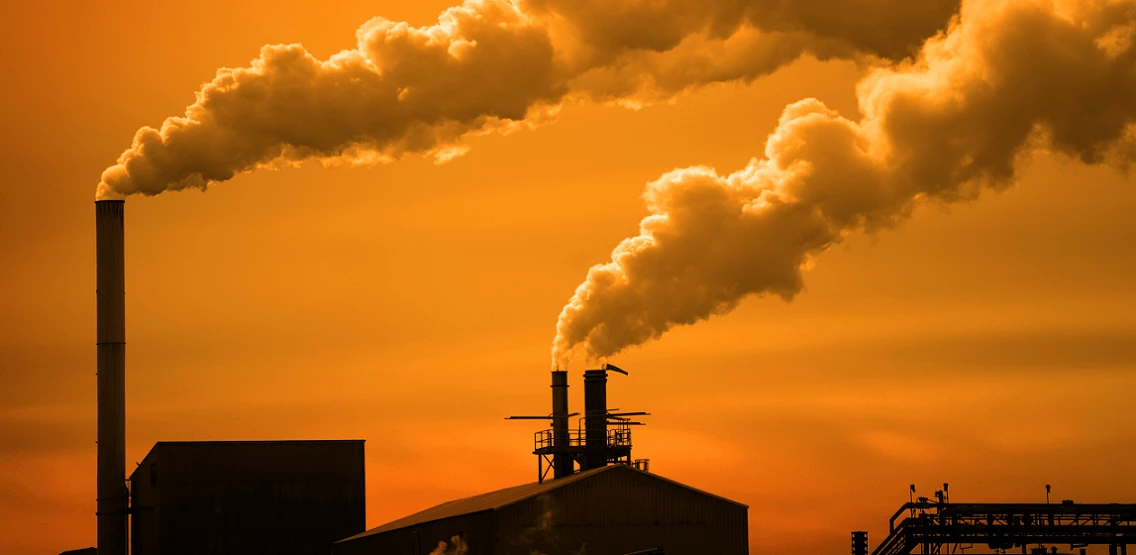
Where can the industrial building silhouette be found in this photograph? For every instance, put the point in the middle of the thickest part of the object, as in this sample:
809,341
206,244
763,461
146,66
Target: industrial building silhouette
599,501
285,497
613,509
220,497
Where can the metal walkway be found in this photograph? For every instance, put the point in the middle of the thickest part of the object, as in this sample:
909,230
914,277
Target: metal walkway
938,528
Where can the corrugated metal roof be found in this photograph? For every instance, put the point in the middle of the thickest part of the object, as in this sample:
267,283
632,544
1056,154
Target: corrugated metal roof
508,496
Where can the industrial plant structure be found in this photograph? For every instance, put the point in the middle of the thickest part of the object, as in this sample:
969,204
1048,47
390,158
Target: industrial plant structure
608,510
934,526
284,497
599,501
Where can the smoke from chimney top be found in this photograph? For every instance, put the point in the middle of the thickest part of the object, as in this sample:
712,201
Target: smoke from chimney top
1006,79
491,66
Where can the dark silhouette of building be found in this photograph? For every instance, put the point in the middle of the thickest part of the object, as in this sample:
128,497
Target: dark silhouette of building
247,497
611,506
609,510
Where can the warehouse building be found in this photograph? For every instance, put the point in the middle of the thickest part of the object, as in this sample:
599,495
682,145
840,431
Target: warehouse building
247,497
599,500
610,510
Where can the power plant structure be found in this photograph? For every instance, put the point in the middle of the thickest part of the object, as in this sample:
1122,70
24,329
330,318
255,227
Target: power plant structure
307,497
590,496
598,500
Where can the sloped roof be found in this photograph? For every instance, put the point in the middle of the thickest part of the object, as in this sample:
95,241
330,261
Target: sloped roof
508,496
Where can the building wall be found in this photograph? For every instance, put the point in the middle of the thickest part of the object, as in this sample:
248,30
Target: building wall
144,506
622,511
248,498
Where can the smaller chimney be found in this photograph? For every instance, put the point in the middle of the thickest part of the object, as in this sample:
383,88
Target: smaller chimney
595,418
561,459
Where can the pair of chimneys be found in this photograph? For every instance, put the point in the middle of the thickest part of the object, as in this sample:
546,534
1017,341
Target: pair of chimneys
606,437
594,453
597,447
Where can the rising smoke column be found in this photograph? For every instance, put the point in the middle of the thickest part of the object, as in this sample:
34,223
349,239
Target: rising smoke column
1007,78
491,65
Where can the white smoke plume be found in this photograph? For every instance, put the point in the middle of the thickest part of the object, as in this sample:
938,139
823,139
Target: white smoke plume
492,65
1007,78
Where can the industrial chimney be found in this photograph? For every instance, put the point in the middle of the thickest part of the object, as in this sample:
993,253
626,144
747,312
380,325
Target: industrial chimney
111,295
561,459
606,437
595,418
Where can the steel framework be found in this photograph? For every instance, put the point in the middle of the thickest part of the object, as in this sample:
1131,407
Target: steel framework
930,527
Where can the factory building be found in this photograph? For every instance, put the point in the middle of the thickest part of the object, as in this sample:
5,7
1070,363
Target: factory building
605,511
599,500
247,497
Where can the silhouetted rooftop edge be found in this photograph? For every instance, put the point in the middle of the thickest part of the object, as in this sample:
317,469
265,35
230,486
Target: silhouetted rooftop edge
503,497
236,443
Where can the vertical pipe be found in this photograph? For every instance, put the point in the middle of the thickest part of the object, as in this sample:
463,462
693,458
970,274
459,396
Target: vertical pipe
561,461
111,297
595,417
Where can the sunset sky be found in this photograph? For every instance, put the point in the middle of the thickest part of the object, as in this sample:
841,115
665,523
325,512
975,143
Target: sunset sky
989,343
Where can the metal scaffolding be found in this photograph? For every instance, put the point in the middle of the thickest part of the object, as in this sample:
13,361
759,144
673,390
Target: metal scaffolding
937,527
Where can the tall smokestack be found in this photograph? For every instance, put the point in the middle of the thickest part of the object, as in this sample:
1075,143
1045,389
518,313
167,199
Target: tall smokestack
561,460
111,294
595,418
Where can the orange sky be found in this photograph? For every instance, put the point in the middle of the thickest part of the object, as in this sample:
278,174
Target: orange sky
989,345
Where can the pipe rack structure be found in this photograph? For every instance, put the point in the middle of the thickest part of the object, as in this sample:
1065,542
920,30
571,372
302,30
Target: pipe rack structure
941,527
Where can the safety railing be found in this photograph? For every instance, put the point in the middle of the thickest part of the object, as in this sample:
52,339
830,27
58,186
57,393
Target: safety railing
618,435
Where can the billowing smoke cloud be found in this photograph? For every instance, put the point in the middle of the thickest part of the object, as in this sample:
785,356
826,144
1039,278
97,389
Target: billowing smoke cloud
1006,79
492,65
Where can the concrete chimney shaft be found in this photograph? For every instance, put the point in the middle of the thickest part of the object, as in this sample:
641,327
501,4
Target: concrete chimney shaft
111,296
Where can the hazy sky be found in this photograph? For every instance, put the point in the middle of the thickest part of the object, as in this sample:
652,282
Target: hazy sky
989,344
